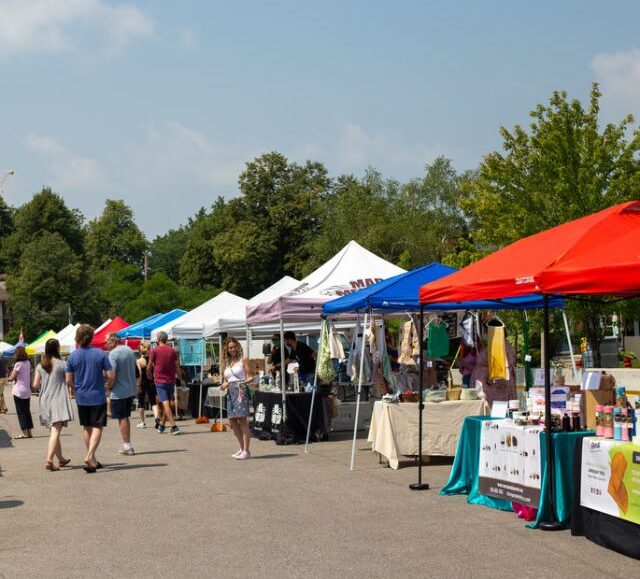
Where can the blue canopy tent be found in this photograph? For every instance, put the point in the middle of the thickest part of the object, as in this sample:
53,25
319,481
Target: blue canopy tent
401,294
10,352
137,330
142,330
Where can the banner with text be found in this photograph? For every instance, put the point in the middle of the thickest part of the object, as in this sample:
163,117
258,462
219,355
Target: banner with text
510,467
610,478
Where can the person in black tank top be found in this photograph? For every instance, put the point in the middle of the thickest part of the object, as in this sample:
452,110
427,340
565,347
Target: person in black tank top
146,387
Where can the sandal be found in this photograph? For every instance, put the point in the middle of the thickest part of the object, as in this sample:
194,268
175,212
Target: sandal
88,468
50,466
20,437
64,462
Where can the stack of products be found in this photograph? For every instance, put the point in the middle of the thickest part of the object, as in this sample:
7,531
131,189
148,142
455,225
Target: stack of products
620,421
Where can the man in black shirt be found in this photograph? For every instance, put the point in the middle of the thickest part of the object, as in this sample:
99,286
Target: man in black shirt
302,354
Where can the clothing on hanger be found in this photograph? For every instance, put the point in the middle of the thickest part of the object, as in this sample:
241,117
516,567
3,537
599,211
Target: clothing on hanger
467,327
438,340
409,344
496,352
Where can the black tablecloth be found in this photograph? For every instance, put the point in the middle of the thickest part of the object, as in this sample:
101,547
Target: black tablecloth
267,417
605,530
194,392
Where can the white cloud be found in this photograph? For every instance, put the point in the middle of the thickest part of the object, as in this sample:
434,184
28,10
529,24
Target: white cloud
54,26
187,38
66,170
619,76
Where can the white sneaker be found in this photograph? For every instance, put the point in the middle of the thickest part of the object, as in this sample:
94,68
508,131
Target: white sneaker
141,425
236,454
126,451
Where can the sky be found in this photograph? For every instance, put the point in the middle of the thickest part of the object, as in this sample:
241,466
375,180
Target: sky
162,103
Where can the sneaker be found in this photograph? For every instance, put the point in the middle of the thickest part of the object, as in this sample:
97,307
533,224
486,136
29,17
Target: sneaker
160,428
175,430
126,451
157,424
244,455
141,425
236,454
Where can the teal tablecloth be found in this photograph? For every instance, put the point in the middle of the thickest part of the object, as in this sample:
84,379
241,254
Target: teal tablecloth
464,474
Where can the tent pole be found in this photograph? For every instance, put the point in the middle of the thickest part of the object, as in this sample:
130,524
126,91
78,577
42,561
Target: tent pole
355,425
551,524
566,329
313,392
221,378
420,486
283,380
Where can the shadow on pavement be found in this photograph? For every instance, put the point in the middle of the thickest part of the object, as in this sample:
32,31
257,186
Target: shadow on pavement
10,504
265,456
5,439
160,451
121,466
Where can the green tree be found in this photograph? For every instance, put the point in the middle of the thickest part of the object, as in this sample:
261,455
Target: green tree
46,212
6,227
115,237
49,280
563,167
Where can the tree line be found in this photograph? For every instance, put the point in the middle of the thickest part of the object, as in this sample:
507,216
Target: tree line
288,218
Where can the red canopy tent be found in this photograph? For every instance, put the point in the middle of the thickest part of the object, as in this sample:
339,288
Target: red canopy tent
116,324
598,254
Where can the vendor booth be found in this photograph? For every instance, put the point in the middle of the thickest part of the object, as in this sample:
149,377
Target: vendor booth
40,340
66,338
594,255
114,325
352,268
142,330
436,431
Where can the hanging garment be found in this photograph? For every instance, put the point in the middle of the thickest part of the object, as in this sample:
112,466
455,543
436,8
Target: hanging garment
497,358
409,344
326,368
467,329
438,340
372,338
336,351
495,389
353,362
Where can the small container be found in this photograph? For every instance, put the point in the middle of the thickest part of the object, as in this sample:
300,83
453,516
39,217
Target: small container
625,425
617,423
621,396
607,421
599,420
575,422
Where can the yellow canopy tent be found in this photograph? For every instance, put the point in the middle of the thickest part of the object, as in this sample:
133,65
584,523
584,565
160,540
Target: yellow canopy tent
41,339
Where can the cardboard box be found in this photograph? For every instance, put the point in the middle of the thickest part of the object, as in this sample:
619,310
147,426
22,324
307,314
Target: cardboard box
590,399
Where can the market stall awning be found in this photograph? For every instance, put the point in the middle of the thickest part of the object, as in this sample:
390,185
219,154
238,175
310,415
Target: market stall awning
137,330
597,254
100,336
400,293
351,269
41,339
204,319
173,315
66,338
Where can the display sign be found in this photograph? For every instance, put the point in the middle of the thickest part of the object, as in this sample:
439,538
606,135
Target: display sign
510,467
610,479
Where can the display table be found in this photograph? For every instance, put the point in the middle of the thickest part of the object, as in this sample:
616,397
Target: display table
394,427
267,416
464,478
607,530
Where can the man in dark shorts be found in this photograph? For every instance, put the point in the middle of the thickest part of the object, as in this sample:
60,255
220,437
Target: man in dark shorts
163,367
123,390
302,354
85,375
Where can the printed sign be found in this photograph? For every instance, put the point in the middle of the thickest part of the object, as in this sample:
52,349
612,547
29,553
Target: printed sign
610,480
510,467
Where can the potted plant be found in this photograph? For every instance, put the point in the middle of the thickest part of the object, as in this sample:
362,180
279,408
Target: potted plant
627,356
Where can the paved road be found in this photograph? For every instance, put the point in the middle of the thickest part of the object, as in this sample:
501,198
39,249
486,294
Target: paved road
182,507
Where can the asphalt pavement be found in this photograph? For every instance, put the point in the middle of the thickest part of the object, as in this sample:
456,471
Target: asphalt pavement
182,507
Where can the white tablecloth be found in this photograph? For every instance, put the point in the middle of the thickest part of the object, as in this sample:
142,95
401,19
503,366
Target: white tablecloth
394,427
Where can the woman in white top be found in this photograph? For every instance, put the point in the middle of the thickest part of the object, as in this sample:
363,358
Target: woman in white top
237,376
55,404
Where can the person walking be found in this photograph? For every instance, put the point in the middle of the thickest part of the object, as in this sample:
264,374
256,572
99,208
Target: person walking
85,371
123,390
55,404
236,377
163,367
21,376
146,387
3,383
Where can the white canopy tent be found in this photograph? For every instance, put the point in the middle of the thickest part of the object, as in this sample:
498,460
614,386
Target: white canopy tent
351,269
67,339
5,346
204,320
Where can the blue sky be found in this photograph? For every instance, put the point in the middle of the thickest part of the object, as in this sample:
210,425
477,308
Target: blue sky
161,103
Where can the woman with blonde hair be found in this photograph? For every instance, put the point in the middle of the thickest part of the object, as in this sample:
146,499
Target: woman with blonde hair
236,377
55,403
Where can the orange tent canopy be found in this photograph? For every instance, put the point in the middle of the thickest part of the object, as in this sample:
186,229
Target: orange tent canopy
596,254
